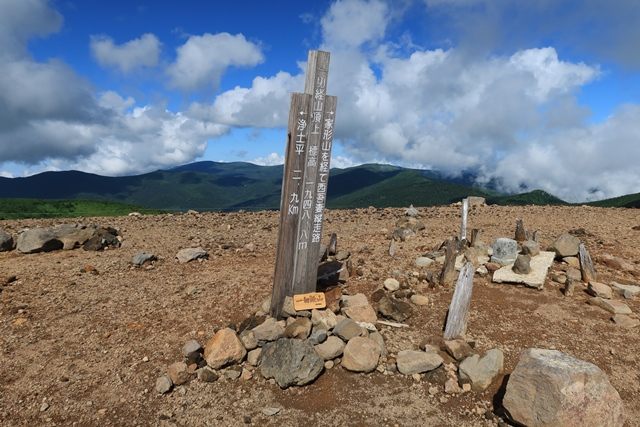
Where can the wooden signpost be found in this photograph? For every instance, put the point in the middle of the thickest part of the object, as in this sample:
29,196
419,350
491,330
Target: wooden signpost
463,225
304,184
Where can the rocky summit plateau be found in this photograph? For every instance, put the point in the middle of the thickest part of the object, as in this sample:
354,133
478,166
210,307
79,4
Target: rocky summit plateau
162,320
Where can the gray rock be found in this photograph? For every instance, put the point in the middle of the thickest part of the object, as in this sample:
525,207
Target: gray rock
232,373
192,351
481,371
522,265
423,261
163,384
102,238
550,388
458,348
253,357
411,211
419,299
207,375
269,330
248,339
361,355
410,223
565,245
612,306
598,289
625,321
402,234
411,362
6,241
505,251
290,362
394,309
317,336
476,201
191,254
627,291
141,257
38,240
331,348
361,313
347,329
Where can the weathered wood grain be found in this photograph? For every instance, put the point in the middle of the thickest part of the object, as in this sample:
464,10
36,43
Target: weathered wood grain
586,265
456,325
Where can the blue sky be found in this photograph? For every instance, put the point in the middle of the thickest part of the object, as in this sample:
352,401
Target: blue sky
537,94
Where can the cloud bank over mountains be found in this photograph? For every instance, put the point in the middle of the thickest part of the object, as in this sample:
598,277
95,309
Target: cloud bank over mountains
512,117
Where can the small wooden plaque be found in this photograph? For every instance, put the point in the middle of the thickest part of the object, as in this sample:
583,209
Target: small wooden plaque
309,301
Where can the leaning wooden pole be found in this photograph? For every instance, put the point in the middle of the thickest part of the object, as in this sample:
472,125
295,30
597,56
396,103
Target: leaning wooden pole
458,315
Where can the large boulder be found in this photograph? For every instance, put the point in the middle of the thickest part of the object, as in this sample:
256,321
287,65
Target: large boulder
566,245
551,388
224,348
505,251
6,241
74,235
38,240
290,362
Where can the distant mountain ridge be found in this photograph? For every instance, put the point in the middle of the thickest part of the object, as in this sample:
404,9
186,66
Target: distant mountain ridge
211,185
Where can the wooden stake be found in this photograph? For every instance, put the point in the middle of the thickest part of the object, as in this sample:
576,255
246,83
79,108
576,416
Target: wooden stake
290,202
586,265
463,225
458,315
447,275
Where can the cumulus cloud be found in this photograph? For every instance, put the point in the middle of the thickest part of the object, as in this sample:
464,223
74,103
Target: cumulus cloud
272,159
134,54
202,60
51,118
351,23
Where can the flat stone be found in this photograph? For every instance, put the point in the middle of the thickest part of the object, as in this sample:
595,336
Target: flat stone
191,254
612,306
347,329
253,357
192,351
423,262
625,321
361,313
616,263
574,274
300,328
142,257
481,371
270,330
391,284
504,251
565,245
361,355
354,300
550,388
331,348
379,339
419,299
572,261
458,348
290,362
324,318
224,348
598,289
411,362
539,267
627,291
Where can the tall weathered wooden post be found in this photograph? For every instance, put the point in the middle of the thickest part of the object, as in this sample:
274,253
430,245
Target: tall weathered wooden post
304,184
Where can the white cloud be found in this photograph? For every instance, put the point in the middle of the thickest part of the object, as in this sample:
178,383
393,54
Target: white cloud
202,60
134,54
350,23
51,118
272,159
6,174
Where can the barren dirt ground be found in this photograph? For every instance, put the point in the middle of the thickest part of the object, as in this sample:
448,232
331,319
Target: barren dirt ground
77,340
